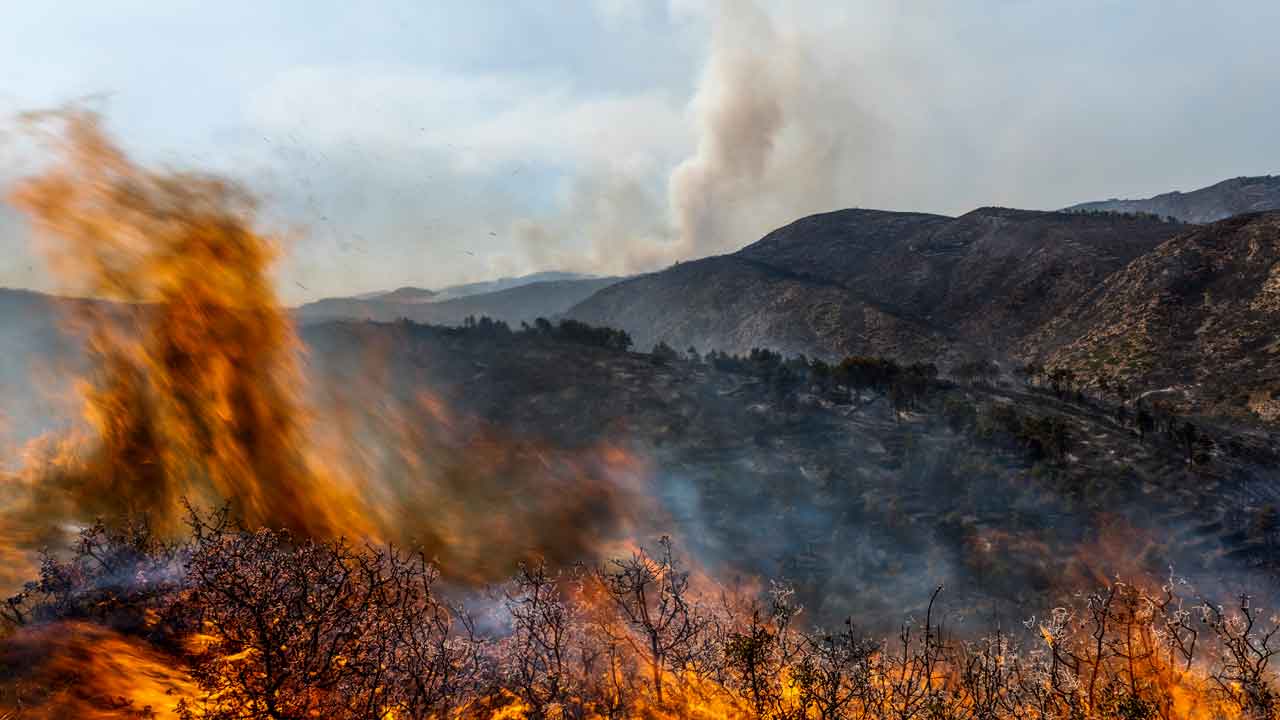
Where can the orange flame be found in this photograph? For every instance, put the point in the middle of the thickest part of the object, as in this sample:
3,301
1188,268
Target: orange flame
195,389
83,671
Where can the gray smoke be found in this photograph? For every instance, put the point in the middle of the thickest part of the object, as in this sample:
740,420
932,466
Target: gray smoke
766,152
773,127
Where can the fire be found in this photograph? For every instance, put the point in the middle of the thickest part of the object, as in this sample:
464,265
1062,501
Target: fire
195,389
308,607
80,670
474,497
198,395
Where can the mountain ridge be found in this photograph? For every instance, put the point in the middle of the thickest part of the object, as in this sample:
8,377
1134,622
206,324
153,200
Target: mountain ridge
1234,196
523,302
987,277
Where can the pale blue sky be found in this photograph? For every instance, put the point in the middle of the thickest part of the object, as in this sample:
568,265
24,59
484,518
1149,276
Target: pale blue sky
433,142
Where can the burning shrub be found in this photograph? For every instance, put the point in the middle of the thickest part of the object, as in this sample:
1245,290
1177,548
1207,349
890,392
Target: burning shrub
278,627
296,629
663,619
117,576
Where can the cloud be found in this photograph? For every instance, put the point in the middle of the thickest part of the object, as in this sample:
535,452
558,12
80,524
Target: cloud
483,122
441,172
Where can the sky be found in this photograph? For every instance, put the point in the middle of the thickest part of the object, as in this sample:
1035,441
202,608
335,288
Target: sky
429,143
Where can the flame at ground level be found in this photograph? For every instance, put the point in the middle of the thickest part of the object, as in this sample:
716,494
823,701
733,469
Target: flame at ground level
265,625
81,670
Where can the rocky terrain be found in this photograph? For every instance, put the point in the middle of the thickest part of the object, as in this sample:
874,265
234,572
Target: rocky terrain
1199,314
1206,205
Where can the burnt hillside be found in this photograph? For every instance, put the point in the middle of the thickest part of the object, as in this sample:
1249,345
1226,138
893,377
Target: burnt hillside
863,484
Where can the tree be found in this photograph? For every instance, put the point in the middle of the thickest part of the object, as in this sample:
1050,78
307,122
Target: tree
664,354
751,659
663,624
1033,371
1145,422
1187,437
973,370
539,651
299,629
1062,380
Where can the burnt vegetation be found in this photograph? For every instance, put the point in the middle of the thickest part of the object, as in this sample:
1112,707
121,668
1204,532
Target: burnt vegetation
268,625
1007,470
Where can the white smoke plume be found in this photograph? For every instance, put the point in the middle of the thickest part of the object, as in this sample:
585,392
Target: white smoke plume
772,127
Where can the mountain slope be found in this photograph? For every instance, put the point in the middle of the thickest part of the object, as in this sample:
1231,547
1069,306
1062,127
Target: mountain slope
1206,205
990,275
733,303
404,295
982,280
1201,313
40,361
788,475
488,286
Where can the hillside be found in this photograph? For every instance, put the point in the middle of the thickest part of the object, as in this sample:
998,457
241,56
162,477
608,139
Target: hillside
1206,205
851,489
522,302
881,283
989,275
1001,493
734,304
1200,313
404,295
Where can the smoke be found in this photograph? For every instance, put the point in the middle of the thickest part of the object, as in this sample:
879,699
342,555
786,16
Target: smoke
761,155
773,126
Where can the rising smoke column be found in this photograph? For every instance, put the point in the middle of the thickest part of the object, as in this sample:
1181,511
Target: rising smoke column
771,124
773,129
739,115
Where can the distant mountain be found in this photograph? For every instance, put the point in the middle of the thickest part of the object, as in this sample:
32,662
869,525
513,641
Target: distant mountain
416,294
1206,205
1200,313
404,295
512,303
883,283
506,283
